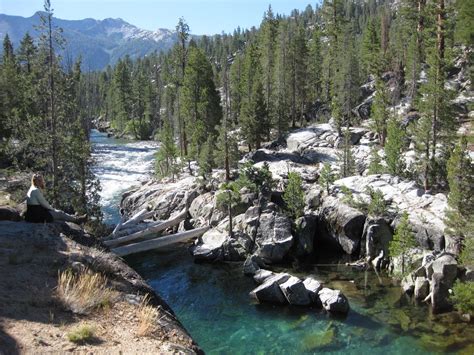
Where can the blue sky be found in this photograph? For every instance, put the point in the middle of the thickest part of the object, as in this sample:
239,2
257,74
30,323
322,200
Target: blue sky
203,16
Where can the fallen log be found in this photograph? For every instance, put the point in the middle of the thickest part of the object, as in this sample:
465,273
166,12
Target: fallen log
159,242
130,229
155,229
139,216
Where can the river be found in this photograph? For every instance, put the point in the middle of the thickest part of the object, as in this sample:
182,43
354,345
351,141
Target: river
212,302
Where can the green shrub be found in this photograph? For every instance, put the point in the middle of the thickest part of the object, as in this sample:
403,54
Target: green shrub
327,177
377,205
81,334
403,240
294,195
255,179
463,296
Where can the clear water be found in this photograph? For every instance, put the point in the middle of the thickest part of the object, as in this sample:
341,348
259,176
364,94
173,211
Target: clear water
212,302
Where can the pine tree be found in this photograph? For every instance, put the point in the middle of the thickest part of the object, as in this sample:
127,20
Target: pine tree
180,61
315,61
122,94
206,157
51,37
232,157
403,240
348,166
370,48
166,157
282,80
326,177
200,102
375,165
393,148
268,33
460,213
294,195
380,110
254,117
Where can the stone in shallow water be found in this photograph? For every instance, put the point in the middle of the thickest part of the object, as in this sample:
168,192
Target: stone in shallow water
295,292
313,287
261,275
270,290
334,301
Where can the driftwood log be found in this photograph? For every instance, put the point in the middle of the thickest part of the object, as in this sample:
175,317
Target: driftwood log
155,228
159,242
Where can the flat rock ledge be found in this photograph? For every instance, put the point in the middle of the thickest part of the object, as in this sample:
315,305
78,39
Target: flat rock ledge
283,288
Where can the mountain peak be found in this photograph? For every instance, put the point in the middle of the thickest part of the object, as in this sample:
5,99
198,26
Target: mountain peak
99,42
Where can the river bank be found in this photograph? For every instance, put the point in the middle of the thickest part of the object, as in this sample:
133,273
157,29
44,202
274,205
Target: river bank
37,314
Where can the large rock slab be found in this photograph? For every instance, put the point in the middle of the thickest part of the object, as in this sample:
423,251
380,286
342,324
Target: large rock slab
273,237
270,290
202,207
447,266
165,197
439,294
341,225
209,246
306,231
334,301
376,238
295,292
422,288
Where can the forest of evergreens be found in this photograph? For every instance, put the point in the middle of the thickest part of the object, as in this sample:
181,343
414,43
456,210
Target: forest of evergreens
206,97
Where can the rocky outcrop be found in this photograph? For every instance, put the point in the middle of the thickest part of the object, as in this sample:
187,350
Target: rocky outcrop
432,279
267,235
426,211
340,225
164,197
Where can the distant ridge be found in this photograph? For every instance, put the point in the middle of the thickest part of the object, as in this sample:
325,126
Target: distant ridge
99,42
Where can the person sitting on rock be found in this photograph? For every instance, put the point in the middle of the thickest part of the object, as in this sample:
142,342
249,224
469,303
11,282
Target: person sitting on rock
38,210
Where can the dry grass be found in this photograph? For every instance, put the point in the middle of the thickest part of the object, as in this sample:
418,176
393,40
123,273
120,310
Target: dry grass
84,292
147,318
